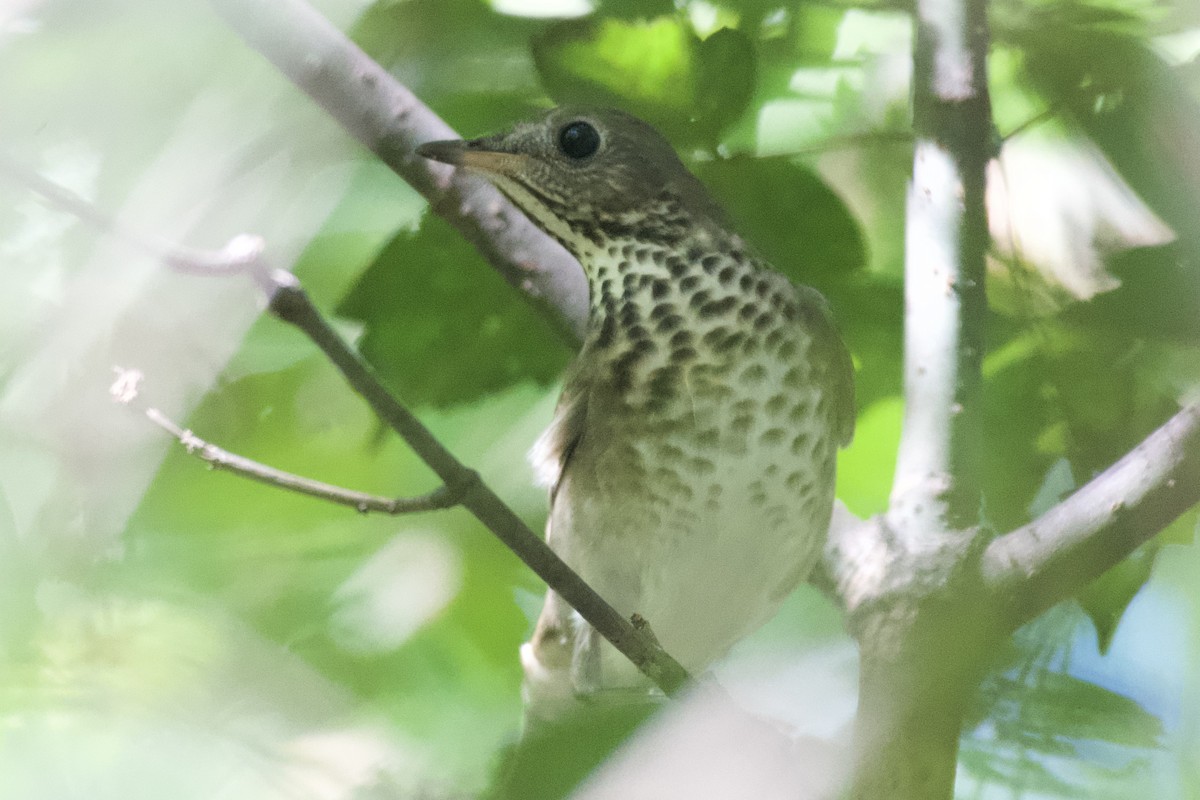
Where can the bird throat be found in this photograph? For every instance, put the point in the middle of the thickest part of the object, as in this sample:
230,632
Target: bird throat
676,304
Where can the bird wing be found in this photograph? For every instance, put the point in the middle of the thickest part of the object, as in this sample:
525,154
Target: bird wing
832,359
554,448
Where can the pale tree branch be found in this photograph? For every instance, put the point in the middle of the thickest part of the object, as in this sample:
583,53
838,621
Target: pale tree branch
937,469
239,256
390,121
1059,553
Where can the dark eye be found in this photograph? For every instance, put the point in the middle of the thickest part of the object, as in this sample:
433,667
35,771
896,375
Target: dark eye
579,139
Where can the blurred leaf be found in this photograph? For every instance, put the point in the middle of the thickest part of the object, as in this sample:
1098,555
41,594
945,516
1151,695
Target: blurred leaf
865,468
442,327
553,758
635,9
789,215
1049,709
1157,298
726,79
1096,64
657,69
269,347
1107,597
646,66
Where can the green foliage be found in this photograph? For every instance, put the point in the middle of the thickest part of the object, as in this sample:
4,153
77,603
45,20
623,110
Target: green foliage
658,69
492,341
220,620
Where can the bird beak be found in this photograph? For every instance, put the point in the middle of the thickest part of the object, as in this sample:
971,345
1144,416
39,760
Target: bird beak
481,155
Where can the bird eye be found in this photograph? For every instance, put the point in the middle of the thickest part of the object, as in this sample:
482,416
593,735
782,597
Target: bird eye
578,140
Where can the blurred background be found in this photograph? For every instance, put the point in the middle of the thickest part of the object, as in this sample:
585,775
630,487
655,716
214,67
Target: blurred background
169,631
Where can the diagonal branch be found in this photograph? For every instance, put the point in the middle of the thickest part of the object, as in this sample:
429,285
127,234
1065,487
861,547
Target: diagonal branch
291,303
390,121
1056,555
288,301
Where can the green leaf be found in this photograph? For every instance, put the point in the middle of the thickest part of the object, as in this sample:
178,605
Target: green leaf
789,215
442,327
646,66
1107,597
657,69
574,745
726,80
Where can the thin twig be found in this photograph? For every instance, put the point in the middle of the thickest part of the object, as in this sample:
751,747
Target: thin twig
219,458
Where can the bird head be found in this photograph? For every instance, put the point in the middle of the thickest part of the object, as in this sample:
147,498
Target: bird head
574,170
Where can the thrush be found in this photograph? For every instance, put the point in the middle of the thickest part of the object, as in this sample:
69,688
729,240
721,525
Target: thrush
691,457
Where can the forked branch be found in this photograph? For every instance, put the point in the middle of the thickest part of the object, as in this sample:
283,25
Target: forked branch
1056,555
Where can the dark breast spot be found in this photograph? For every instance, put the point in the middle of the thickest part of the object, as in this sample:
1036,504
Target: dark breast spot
668,323
608,331
742,423
681,338
714,338
683,354
718,307
731,342
631,315
755,373
772,436
698,299
708,439
661,310
622,371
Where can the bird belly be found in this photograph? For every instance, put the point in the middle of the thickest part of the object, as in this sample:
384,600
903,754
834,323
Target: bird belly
702,537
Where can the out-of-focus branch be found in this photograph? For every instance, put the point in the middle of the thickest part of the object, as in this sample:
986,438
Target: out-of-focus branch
390,121
288,301
1056,555
237,257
